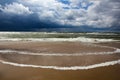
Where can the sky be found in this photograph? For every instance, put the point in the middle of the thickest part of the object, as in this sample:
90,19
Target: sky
60,15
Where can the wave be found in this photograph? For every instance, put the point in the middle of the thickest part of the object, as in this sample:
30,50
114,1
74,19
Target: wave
64,68
79,39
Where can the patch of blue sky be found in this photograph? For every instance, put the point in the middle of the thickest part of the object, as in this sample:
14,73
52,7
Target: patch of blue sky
64,1
83,4
3,2
87,6
79,7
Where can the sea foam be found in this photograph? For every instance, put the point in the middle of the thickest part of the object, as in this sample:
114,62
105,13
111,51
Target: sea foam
115,50
64,68
57,54
79,39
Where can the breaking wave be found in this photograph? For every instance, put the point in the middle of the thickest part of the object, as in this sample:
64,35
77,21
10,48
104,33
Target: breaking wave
79,39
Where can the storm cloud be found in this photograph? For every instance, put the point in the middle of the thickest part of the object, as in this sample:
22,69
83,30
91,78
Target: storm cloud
77,13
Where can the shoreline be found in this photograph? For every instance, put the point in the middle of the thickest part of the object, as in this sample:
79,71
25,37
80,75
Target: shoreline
27,66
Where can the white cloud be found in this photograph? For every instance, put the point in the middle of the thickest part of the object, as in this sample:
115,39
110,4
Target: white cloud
16,8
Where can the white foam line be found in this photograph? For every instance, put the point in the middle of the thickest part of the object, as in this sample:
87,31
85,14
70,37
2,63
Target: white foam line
56,54
79,39
116,50
64,68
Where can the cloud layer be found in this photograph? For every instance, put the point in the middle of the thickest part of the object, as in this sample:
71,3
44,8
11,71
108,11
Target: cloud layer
16,9
94,13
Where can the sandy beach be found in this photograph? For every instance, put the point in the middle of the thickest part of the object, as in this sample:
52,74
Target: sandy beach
8,72
64,54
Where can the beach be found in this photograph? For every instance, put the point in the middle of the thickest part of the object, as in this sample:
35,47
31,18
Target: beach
77,55
62,59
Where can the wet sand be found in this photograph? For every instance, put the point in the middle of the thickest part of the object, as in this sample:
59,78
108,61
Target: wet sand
53,47
9,72
59,60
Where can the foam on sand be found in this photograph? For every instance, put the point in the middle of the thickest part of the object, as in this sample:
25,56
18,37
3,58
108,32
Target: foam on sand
116,50
64,68
56,54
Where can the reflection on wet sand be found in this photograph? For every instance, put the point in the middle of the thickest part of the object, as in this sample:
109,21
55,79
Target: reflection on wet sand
27,60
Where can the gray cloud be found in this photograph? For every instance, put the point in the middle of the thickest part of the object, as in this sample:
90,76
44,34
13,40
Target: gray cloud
95,13
109,10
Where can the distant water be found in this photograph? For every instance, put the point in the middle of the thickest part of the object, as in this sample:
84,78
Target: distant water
44,36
